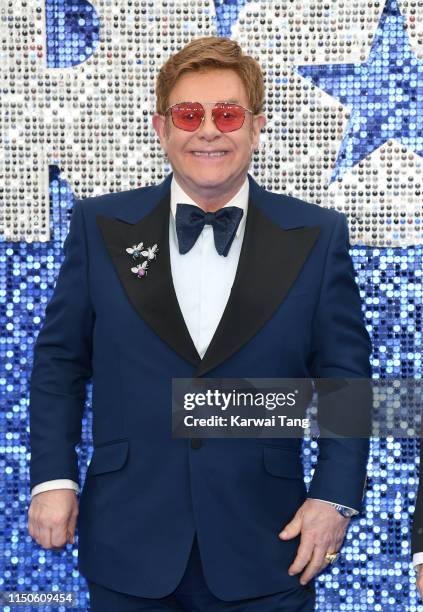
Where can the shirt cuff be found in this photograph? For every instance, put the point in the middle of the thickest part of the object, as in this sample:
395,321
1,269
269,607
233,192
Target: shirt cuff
417,559
50,485
332,503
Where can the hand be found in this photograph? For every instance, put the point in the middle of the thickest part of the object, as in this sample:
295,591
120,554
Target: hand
322,530
419,579
52,518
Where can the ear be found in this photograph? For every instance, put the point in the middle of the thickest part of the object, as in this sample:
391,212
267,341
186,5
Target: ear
259,121
159,122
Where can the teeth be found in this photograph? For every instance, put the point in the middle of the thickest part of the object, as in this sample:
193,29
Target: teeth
213,154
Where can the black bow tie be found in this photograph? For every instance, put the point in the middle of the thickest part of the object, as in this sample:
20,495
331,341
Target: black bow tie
191,219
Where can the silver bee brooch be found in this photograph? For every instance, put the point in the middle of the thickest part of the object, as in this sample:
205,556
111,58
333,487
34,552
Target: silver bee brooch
137,251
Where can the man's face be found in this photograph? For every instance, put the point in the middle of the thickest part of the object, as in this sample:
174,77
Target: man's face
205,175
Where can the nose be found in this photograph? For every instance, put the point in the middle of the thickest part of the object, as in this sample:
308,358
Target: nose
208,127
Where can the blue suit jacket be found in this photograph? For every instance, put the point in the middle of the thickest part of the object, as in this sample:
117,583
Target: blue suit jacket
294,311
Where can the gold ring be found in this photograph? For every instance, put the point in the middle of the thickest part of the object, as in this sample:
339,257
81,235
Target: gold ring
331,557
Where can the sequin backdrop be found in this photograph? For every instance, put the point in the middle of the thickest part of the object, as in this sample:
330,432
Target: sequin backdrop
345,129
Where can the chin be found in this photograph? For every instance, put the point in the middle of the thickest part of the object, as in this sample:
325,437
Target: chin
204,178
217,182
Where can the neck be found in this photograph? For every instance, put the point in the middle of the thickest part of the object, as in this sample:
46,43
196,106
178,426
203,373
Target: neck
212,198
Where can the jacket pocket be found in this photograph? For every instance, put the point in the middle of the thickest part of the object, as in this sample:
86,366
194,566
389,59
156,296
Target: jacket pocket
108,457
282,462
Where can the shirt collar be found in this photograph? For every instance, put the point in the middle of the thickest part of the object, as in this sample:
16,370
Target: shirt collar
240,199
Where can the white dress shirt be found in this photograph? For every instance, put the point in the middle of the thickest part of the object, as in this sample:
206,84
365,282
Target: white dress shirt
417,559
202,279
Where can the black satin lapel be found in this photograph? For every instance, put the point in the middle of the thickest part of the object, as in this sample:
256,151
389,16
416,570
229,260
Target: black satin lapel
152,296
270,261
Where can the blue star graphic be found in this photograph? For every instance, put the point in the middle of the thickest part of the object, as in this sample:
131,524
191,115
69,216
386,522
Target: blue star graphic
227,13
385,93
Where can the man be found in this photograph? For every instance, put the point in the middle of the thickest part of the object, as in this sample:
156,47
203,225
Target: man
205,274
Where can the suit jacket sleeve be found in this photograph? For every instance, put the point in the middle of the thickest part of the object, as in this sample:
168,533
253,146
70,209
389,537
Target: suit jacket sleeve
62,365
341,348
417,532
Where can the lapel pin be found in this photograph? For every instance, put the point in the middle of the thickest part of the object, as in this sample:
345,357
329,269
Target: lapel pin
150,253
141,269
137,251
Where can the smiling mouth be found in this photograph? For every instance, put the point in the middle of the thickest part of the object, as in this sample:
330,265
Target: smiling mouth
209,154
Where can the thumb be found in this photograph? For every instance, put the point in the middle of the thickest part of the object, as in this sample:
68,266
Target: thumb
292,529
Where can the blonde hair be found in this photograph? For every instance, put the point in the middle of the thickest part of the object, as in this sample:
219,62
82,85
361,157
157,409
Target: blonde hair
207,53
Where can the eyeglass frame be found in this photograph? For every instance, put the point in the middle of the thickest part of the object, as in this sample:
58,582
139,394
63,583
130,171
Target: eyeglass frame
204,116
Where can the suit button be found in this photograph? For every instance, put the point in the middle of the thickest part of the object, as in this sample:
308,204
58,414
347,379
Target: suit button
196,443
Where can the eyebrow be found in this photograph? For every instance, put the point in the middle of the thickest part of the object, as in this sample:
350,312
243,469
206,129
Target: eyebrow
230,101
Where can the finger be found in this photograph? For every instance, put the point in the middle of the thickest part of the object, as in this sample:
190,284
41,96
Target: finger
317,563
44,536
72,524
48,537
40,532
37,532
304,554
70,534
58,537
292,529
